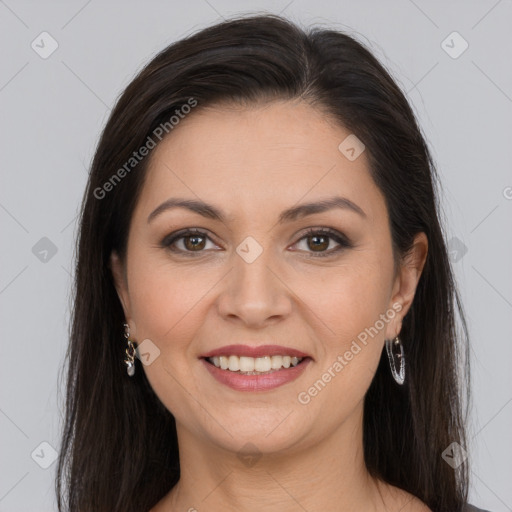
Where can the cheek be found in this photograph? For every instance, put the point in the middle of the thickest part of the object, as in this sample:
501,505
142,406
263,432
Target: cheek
351,311
165,297
167,307
347,300
351,336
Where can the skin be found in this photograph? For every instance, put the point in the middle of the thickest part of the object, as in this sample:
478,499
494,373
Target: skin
252,163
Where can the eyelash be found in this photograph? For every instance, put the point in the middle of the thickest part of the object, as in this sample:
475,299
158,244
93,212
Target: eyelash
342,240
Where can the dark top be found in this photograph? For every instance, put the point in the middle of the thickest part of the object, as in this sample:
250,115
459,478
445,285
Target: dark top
471,508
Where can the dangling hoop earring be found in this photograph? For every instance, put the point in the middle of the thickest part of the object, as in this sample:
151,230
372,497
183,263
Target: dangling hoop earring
129,360
396,358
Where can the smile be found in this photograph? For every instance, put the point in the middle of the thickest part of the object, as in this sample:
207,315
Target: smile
254,365
256,372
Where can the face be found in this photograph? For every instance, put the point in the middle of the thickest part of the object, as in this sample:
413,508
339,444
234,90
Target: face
317,283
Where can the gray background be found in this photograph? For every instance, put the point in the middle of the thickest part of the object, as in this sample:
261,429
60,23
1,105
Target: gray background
53,109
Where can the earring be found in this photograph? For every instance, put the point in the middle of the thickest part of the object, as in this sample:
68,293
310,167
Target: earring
396,358
130,352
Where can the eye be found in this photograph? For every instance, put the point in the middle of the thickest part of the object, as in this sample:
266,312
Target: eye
191,241
318,240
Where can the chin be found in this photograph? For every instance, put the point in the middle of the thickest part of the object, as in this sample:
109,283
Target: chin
266,434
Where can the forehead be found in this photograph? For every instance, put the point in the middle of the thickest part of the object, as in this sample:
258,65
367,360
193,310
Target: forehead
253,157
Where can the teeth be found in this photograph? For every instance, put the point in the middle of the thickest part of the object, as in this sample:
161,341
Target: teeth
254,365
234,364
262,364
246,364
277,362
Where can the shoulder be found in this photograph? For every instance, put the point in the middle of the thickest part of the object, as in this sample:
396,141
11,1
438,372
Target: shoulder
405,502
471,508
415,505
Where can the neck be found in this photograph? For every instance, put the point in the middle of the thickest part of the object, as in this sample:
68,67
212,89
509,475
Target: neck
216,479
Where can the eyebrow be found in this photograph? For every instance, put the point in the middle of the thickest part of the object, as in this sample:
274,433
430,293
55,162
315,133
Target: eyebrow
291,214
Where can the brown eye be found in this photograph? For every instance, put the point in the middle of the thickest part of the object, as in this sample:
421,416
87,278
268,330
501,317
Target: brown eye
194,242
187,242
319,240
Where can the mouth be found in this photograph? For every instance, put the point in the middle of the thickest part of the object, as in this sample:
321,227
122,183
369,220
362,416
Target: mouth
244,365
246,368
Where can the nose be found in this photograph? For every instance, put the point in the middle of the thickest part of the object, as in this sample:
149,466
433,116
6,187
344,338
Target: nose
255,294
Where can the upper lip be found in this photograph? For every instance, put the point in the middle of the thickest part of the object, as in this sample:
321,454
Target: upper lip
259,351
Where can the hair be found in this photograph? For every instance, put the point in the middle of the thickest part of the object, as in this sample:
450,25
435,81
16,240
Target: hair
119,448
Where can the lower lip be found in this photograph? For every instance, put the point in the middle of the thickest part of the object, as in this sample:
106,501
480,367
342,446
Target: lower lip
241,382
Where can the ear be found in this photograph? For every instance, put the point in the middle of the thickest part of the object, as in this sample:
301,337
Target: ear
121,283
406,281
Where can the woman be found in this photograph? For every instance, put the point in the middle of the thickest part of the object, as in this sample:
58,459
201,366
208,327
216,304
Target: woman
265,312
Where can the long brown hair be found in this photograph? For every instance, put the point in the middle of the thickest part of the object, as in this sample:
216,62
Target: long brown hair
119,447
